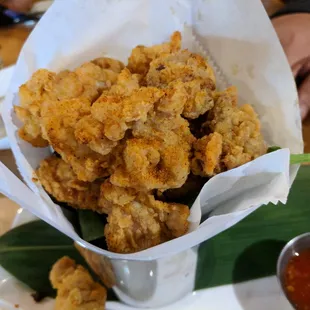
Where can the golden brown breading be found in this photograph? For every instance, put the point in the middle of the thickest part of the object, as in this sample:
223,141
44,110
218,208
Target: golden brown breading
173,102
200,99
143,223
87,81
126,83
109,63
117,113
207,155
191,99
239,127
31,129
58,121
90,132
59,180
113,195
158,155
76,290
31,95
141,56
182,66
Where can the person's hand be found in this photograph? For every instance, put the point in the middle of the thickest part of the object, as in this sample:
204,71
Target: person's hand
21,6
294,33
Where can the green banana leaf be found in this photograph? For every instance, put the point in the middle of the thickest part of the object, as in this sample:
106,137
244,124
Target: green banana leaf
247,251
250,249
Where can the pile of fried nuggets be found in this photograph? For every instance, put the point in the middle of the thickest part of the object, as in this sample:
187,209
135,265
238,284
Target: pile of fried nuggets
125,135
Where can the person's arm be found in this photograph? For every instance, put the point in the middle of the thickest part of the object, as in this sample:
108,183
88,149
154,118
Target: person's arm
292,24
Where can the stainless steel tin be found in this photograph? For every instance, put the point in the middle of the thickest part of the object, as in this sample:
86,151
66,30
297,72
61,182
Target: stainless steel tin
152,283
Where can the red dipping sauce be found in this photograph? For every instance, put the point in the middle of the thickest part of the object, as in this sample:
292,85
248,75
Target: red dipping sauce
297,280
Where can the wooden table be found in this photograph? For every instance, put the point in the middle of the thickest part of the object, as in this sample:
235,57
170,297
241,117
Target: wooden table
11,41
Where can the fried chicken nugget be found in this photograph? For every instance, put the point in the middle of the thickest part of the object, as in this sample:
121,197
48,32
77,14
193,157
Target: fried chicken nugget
126,83
239,127
183,66
207,155
31,95
76,290
141,56
58,122
158,155
89,131
60,181
111,195
117,112
191,99
87,81
143,222
200,99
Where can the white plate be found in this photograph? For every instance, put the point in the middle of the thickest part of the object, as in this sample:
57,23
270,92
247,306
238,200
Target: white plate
252,295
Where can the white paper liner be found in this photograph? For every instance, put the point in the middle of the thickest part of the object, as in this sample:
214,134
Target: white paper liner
85,30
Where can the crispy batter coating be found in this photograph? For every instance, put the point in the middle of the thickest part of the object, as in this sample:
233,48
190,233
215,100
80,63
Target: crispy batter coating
173,102
141,56
31,95
117,113
87,81
109,63
199,99
239,127
90,132
76,290
114,195
207,155
31,129
126,84
158,155
59,180
58,121
183,66
191,99
144,222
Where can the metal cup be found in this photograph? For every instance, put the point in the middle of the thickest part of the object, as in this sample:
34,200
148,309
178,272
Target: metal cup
294,246
150,283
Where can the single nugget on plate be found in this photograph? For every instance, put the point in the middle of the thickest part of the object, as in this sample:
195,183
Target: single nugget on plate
76,290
